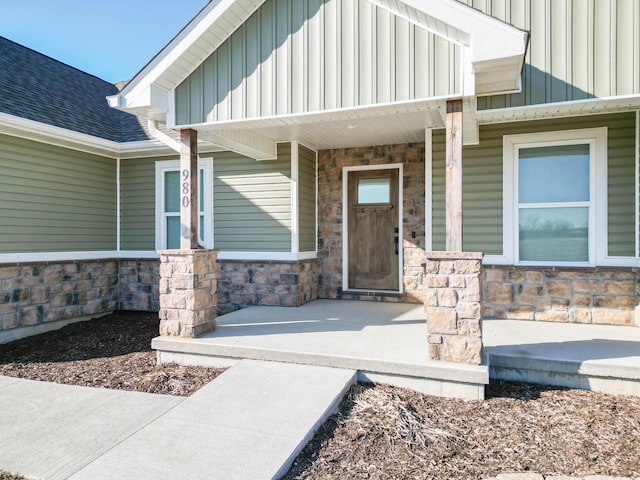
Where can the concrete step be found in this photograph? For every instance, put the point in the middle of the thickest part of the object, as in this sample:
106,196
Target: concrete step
586,375
249,423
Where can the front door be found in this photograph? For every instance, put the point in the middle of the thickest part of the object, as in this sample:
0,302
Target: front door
373,203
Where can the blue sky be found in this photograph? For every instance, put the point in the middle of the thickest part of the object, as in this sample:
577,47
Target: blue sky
111,39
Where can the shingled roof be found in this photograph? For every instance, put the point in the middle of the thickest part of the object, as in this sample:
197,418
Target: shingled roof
39,88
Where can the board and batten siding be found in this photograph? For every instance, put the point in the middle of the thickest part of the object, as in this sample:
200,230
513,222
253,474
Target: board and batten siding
306,199
252,202
54,199
137,203
578,49
295,56
482,182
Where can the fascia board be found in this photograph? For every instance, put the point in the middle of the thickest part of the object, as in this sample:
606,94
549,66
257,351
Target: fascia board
211,14
489,38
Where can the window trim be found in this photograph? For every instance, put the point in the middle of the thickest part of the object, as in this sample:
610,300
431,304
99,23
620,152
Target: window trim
598,228
163,166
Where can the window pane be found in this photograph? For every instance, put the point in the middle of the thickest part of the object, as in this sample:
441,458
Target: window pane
374,190
555,234
554,174
172,191
201,228
173,232
201,188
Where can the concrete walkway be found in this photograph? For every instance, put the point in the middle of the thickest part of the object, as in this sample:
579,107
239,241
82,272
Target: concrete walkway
249,423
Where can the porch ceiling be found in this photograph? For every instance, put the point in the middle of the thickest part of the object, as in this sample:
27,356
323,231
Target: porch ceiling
377,125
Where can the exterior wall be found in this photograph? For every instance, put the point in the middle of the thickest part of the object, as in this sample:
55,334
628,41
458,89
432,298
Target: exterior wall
41,294
311,55
579,295
252,202
482,182
138,282
34,294
330,163
287,284
137,203
578,49
55,199
307,200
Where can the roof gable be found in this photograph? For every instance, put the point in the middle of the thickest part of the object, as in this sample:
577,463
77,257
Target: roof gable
487,44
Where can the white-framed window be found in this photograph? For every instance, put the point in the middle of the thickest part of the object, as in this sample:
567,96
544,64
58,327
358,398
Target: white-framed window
555,198
168,203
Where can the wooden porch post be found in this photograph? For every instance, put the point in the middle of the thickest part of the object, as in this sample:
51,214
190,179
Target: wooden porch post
453,185
189,189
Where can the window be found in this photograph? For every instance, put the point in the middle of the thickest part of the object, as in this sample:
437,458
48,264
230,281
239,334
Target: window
555,197
168,203
374,190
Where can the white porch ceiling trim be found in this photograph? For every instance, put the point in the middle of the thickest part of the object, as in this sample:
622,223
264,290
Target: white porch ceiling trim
245,142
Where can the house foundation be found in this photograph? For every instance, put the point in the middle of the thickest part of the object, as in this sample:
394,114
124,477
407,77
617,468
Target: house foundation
274,283
606,296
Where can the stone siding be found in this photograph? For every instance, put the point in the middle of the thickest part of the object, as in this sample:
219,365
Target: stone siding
188,292
330,165
36,293
452,287
287,284
580,295
138,285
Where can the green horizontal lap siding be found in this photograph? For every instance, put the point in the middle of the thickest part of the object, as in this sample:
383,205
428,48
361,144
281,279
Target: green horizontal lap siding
482,182
294,56
55,199
306,199
252,202
621,187
137,203
578,49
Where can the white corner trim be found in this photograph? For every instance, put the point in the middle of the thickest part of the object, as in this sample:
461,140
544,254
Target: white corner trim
295,200
118,205
637,217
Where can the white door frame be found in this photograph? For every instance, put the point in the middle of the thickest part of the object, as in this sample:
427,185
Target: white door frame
345,225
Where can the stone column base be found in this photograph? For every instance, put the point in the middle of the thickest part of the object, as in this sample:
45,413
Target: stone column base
187,292
452,306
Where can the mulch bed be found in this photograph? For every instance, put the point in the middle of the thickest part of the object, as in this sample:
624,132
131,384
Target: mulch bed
380,432
384,432
110,352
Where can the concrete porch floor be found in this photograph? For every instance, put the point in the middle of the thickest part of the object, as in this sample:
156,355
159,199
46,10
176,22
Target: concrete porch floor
386,342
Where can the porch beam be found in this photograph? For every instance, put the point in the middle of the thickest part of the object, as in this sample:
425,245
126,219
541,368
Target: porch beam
188,189
453,181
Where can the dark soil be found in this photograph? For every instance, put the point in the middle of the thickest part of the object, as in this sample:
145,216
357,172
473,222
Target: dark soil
110,352
380,432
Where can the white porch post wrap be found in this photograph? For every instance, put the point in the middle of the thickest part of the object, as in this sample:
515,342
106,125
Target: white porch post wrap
188,189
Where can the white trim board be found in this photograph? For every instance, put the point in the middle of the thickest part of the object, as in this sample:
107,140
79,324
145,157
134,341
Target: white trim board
345,220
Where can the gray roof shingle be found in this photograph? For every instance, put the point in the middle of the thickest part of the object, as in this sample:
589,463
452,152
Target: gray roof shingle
39,88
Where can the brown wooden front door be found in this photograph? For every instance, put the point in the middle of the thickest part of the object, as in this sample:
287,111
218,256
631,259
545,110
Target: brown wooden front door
373,202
